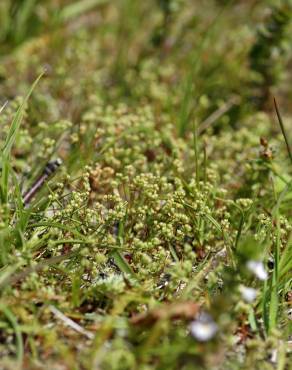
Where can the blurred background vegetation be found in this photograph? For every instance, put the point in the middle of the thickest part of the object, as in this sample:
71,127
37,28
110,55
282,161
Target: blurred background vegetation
205,43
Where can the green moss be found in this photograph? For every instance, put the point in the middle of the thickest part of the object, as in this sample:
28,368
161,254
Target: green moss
173,196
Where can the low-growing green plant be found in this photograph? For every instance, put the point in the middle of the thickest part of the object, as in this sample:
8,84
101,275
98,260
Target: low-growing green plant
145,206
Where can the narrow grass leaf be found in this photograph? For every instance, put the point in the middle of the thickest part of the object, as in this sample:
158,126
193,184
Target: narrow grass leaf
5,155
80,7
281,123
17,121
13,322
122,263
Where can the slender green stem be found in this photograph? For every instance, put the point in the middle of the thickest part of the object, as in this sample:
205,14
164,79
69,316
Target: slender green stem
283,130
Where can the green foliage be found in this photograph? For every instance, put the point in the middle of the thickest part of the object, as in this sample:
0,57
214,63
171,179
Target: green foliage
171,211
269,52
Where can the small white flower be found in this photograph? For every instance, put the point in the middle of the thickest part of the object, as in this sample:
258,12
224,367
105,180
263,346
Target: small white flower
204,328
248,294
274,356
258,269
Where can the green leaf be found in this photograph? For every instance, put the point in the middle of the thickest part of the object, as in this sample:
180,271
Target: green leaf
80,7
122,263
13,322
17,121
6,150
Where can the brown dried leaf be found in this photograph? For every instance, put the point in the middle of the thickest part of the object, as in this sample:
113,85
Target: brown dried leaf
174,311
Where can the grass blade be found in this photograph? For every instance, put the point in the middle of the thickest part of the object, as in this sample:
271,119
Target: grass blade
3,106
19,342
283,130
80,7
11,136
17,121
122,263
